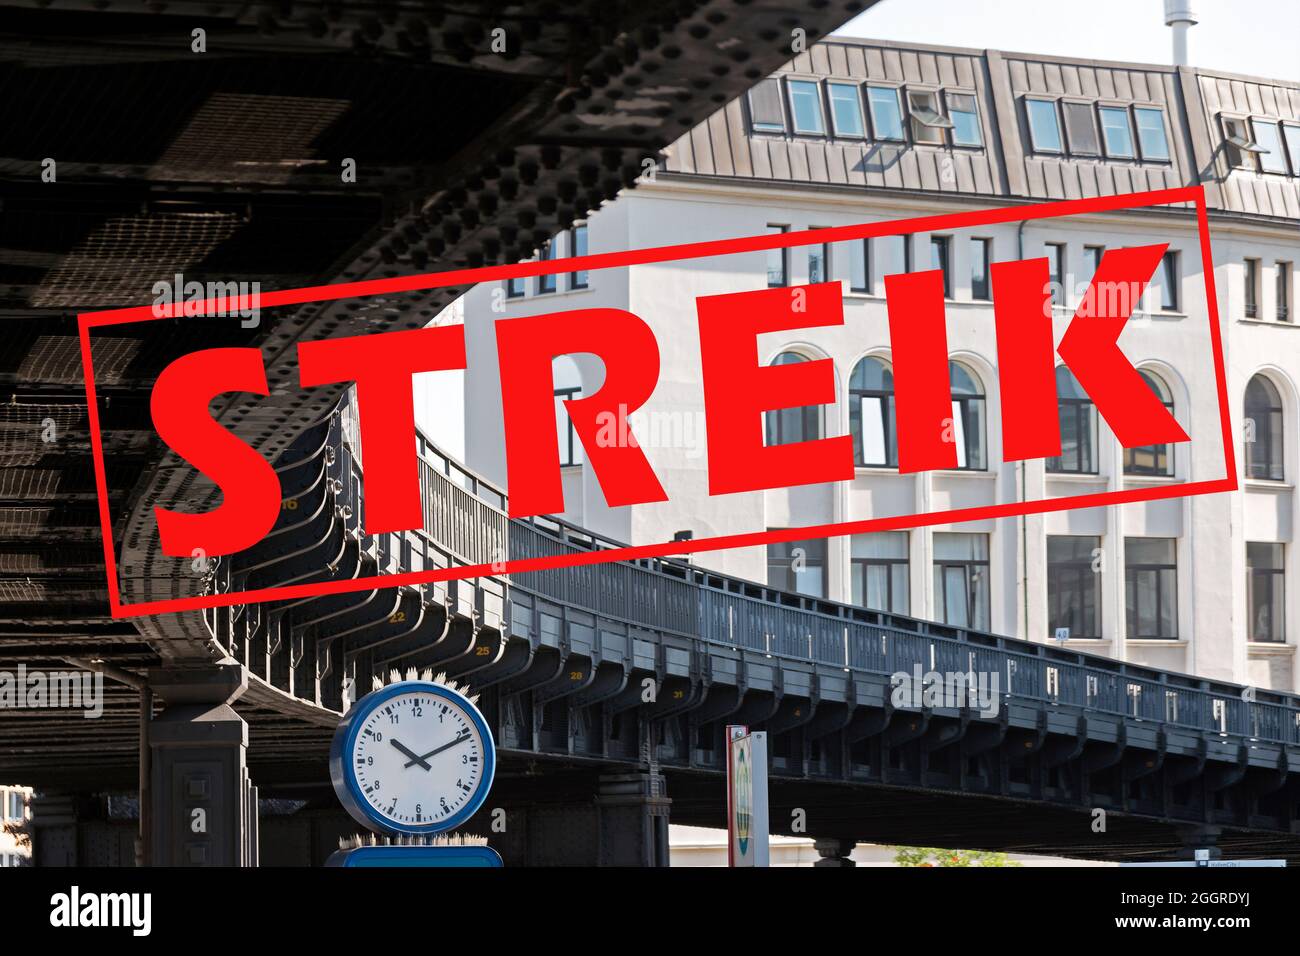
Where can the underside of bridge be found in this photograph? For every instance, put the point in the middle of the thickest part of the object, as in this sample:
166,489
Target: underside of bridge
287,144
219,142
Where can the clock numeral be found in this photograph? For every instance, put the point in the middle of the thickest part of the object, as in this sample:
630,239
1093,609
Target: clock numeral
392,718
375,785
417,711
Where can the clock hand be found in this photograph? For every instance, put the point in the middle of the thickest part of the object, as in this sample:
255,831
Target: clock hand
436,750
410,753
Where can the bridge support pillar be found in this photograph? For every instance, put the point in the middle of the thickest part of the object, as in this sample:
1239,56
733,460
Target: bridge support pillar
53,828
203,806
834,851
633,811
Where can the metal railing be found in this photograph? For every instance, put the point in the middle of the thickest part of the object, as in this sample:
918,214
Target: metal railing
465,518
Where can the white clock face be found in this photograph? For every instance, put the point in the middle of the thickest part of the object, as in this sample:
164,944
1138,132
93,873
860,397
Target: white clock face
418,758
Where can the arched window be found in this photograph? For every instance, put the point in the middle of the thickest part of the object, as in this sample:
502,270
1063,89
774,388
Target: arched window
1078,418
787,426
967,416
568,384
1152,459
871,413
1263,430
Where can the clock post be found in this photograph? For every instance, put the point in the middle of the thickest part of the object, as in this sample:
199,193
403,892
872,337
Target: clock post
412,761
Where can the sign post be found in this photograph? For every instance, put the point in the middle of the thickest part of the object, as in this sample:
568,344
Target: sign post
747,831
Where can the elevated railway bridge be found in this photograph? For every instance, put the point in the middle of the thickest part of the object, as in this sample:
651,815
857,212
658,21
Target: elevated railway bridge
128,155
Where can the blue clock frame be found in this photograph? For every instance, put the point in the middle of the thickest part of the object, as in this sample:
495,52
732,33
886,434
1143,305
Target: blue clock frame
343,774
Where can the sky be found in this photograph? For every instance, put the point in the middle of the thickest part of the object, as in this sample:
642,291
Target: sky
1255,37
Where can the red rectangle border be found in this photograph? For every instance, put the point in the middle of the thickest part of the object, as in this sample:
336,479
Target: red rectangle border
694,250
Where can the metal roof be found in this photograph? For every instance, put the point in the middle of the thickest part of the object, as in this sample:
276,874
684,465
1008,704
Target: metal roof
1192,104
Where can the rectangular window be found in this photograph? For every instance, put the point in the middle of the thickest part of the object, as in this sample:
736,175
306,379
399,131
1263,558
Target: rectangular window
1056,272
1081,129
1151,587
1151,133
765,107
1169,281
578,247
980,252
798,566
806,106
1240,148
15,805
965,119
1092,256
777,259
546,283
566,434
1073,587
1265,591
928,123
819,261
1077,418
895,254
1283,295
1115,132
961,579
886,113
1155,460
1271,159
1291,134
515,288
940,247
1044,130
880,571
1251,291
859,264
846,109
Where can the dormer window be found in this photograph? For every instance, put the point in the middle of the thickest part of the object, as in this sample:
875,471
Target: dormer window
1292,134
765,107
1151,133
928,123
1116,133
846,109
1271,157
1044,130
1081,128
1240,146
886,116
965,119
806,107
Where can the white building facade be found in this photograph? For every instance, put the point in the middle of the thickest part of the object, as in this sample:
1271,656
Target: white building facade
856,131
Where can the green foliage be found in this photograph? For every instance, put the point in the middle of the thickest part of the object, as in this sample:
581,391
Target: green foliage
933,856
